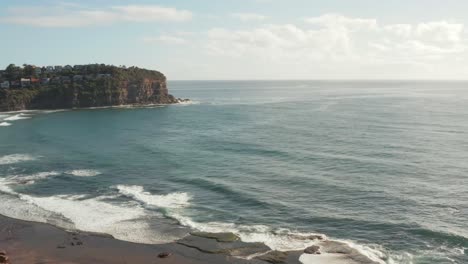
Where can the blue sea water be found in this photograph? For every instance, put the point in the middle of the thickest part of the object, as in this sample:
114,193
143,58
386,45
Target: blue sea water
381,164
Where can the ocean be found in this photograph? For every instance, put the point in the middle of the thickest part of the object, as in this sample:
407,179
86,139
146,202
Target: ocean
381,165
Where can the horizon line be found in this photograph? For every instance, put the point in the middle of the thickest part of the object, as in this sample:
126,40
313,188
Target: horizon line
319,80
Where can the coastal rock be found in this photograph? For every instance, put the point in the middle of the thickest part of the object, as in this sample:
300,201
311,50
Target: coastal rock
308,237
3,258
347,252
337,247
212,246
164,255
220,237
313,250
182,101
275,257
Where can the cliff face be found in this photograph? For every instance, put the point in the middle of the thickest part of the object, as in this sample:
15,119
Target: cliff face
122,87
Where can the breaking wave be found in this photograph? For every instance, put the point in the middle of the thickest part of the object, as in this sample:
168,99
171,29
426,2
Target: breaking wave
280,239
283,239
15,158
124,221
20,116
172,200
5,124
30,179
84,173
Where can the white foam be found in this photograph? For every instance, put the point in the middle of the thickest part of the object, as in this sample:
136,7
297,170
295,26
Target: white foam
21,112
370,252
16,117
5,186
19,209
284,240
325,259
53,111
125,222
30,179
279,239
172,200
190,102
6,183
15,158
84,173
5,124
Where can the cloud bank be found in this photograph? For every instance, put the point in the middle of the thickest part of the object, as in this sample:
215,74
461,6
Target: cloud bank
333,39
77,16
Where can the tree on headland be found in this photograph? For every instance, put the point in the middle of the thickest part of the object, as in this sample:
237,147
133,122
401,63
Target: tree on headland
28,70
13,72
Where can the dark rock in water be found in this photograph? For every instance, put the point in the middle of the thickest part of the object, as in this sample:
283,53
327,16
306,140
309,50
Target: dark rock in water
3,257
317,237
275,257
61,246
164,255
180,100
313,250
309,237
212,246
23,182
220,237
79,243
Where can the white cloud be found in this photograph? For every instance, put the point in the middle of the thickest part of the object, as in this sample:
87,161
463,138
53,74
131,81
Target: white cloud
337,21
333,44
77,16
247,17
400,30
143,13
440,31
165,39
336,37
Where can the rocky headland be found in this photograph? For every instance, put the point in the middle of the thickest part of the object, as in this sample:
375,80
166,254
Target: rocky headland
81,86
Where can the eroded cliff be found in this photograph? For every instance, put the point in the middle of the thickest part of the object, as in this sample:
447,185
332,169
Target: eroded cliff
80,88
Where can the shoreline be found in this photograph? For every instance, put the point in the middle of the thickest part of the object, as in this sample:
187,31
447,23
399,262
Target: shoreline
180,101
27,242
33,242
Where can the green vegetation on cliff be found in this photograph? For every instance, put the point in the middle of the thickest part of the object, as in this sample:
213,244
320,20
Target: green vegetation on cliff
93,85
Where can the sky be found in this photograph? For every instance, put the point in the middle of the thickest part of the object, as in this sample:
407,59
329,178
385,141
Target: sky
244,39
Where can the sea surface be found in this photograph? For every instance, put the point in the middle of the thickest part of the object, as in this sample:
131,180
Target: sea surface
382,165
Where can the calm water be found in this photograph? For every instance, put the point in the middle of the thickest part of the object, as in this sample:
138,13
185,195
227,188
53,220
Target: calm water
381,164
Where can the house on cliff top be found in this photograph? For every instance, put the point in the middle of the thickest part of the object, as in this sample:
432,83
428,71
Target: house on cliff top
5,85
25,82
